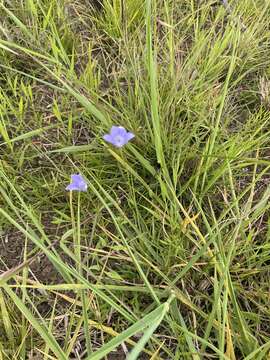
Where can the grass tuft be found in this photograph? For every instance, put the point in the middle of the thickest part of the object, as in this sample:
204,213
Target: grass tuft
166,256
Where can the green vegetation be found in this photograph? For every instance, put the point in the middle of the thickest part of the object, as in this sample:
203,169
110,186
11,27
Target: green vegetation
167,254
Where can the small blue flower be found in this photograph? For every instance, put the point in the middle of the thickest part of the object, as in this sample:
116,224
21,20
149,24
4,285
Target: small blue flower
77,183
118,136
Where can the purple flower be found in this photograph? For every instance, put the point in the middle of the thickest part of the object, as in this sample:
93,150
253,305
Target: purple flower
77,183
118,136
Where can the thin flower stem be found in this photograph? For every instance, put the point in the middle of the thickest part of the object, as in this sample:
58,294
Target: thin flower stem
72,218
78,235
76,226
76,231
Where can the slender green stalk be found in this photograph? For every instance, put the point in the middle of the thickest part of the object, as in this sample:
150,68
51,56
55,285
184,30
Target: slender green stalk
76,225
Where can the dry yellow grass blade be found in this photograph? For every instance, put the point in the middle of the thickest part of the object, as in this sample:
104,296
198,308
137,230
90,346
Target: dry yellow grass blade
230,349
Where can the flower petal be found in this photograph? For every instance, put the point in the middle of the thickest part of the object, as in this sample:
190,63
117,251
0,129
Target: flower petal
82,187
119,141
115,130
108,138
71,187
129,136
121,131
118,136
76,177
78,183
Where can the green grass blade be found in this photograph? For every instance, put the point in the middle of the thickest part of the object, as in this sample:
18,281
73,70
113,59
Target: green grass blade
138,348
37,325
148,320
